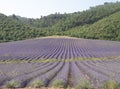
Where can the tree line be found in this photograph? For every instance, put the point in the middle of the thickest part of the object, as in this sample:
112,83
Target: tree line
100,22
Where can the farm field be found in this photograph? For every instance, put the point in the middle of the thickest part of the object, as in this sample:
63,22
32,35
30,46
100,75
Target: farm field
58,62
58,48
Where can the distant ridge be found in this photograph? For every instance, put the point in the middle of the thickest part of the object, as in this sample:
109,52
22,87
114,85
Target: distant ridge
100,22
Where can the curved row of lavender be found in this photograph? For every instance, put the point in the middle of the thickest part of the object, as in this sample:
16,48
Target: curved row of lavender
58,48
25,74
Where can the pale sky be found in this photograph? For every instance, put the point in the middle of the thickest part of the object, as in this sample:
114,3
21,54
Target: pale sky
36,8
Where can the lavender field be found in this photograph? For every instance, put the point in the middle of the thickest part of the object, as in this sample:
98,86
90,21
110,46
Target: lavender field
42,62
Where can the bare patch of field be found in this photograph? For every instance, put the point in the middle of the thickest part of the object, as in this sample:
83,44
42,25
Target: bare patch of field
55,36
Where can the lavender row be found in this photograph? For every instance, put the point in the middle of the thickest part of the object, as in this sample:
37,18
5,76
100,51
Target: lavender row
96,78
95,71
19,69
58,48
77,74
62,75
47,77
23,79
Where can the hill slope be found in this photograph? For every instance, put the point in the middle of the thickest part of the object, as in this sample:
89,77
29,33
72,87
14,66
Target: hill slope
107,28
98,22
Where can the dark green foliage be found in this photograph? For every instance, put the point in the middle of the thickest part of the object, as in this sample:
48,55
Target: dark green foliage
100,22
107,28
87,17
11,29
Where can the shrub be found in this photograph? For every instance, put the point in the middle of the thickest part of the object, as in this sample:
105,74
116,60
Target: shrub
84,84
37,84
59,83
12,84
111,84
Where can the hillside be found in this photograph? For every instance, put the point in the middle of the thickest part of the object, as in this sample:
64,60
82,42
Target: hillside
107,28
100,22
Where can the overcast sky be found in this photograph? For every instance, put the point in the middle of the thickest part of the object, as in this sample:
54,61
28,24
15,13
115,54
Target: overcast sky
36,8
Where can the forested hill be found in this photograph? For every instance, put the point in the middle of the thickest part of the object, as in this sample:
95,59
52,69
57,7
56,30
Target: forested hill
100,22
